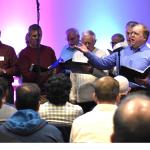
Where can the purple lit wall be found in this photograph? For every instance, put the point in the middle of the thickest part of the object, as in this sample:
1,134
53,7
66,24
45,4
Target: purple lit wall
104,17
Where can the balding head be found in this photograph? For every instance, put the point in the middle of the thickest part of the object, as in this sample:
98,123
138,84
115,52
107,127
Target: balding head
132,120
106,89
123,84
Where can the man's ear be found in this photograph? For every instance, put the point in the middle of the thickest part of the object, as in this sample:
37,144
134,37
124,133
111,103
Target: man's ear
38,106
129,89
94,97
1,103
112,138
95,41
118,99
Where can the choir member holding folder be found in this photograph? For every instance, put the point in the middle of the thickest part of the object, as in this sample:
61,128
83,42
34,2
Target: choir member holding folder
136,55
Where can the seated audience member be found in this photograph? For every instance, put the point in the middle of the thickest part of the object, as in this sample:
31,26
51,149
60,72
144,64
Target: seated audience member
7,109
124,88
4,138
80,79
73,37
58,110
26,125
97,125
132,120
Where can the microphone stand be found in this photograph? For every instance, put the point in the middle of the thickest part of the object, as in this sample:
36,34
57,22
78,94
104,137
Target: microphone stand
119,61
38,11
38,43
118,50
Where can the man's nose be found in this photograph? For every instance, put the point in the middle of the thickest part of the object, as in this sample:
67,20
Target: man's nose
86,44
132,34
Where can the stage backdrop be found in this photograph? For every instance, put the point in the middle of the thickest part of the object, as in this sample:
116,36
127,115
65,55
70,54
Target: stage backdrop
104,17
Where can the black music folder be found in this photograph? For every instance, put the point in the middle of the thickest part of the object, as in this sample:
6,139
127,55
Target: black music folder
35,68
70,66
131,73
77,67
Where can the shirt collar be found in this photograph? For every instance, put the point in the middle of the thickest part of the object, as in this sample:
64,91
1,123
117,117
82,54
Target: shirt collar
105,107
137,49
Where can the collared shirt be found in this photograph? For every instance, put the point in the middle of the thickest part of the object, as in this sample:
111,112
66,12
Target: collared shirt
28,56
60,114
8,61
127,58
78,80
136,60
67,53
95,126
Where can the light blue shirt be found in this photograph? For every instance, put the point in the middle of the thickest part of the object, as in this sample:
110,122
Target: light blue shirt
67,53
136,60
139,60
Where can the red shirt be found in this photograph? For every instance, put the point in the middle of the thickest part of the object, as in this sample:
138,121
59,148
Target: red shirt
8,61
30,56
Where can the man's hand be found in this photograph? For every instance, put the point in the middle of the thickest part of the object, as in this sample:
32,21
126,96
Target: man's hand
81,48
2,71
144,82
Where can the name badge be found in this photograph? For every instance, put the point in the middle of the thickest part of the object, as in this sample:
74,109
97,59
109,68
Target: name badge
1,58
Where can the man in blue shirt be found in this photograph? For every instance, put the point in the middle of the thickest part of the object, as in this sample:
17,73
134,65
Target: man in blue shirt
73,39
136,55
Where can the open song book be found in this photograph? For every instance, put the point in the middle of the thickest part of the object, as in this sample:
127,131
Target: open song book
74,67
131,73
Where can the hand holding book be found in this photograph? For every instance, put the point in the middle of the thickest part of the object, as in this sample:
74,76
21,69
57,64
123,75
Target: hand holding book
136,76
144,82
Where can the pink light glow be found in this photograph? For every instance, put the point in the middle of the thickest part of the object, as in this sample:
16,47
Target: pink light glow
103,17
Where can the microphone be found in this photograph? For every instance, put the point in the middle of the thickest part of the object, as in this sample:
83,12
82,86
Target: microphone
55,64
35,68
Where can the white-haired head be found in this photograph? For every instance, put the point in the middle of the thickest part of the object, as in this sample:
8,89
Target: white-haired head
123,84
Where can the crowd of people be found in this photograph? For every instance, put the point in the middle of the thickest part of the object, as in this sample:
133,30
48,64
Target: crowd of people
99,107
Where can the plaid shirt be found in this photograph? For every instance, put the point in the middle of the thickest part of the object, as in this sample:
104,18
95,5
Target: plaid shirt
60,114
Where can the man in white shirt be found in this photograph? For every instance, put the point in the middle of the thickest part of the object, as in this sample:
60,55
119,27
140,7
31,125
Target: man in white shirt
97,125
81,81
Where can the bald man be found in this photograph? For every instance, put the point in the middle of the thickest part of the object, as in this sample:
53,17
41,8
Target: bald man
132,120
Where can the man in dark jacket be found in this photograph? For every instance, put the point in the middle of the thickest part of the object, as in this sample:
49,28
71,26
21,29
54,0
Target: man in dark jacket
26,125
